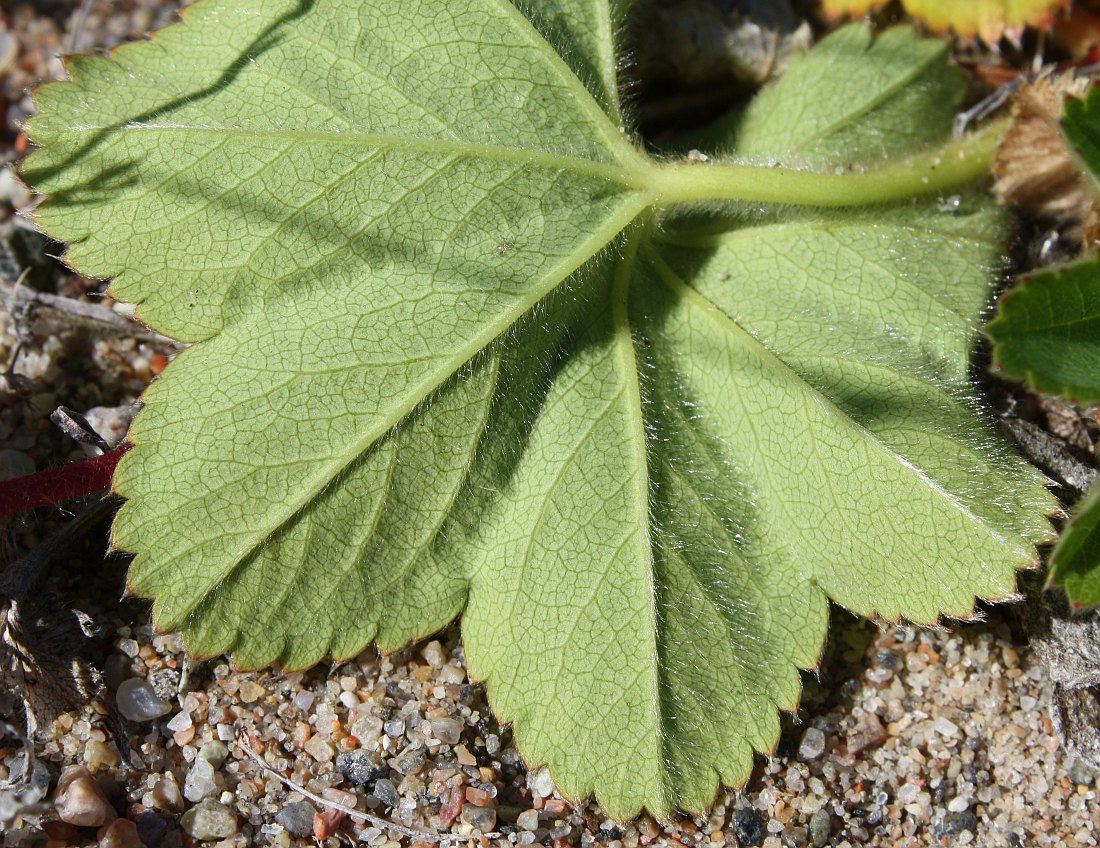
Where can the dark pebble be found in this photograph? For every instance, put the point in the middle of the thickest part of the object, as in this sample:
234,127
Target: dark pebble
821,828
794,837
362,767
151,828
749,826
956,823
885,658
386,792
297,819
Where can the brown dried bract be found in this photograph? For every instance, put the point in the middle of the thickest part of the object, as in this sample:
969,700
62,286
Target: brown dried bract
1035,167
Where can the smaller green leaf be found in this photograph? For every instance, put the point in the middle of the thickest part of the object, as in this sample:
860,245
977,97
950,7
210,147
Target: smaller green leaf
1075,563
1048,331
1081,125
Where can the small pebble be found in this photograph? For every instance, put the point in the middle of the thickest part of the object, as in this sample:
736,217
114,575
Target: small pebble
868,733
956,823
483,819
362,767
821,828
945,727
214,753
749,826
251,691
121,833
386,792
320,749
98,755
297,818
180,721
447,730
111,422
794,837
303,700
167,795
540,783
151,828
209,820
166,684
528,820
1081,774
137,701
79,800
433,654
411,761
200,782
480,797
812,745
394,728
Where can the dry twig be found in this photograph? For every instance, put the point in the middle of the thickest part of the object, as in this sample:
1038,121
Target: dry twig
93,314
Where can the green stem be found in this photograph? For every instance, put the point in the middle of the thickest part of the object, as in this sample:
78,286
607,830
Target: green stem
938,172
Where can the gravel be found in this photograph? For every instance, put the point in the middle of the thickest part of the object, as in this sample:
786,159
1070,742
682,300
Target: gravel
297,819
209,820
137,700
905,737
361,767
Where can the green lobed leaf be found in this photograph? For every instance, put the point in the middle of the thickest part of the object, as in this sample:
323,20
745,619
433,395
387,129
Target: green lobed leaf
464,349
1075,561
1081,125
1047,331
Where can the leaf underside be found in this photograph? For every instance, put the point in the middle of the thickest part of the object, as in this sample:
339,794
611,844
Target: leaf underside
454,357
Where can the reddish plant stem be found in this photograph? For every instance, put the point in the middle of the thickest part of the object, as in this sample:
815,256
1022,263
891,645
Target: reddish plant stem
56,485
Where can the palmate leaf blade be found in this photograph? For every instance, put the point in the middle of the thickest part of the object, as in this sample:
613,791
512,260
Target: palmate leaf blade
344,195
447,360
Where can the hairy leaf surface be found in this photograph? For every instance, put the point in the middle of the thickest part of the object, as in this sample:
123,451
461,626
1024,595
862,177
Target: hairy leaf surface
464,348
